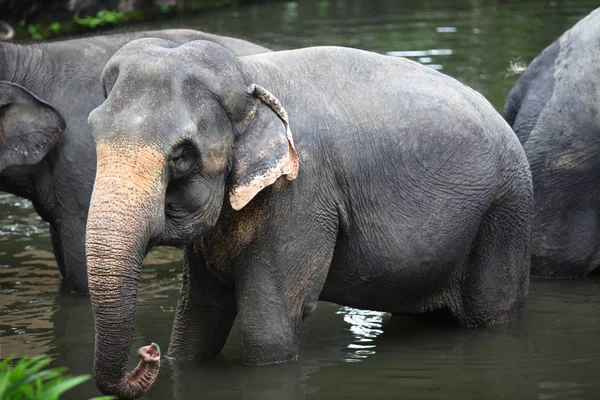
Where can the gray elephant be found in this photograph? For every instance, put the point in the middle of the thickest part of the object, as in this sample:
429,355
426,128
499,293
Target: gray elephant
44,161
554,108
321,173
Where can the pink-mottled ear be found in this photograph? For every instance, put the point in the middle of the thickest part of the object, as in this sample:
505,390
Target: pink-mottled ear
264,151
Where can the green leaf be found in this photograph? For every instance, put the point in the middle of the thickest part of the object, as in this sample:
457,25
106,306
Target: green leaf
59,386
101,18
34,32
30,379
25,371
54,27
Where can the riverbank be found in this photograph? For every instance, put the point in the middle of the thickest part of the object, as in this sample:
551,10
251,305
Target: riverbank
43,19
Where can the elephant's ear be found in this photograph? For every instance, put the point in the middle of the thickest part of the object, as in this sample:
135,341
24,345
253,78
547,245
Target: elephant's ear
29,127
264,151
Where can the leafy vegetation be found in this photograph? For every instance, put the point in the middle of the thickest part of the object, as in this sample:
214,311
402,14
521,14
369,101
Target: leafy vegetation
104,19
34,32
29,379
101,18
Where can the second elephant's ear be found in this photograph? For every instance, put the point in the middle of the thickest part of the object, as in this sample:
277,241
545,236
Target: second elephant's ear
29,127
264,151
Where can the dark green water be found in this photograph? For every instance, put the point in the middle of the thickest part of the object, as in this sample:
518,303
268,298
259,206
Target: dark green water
554,353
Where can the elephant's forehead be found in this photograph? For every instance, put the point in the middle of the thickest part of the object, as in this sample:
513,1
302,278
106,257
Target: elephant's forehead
146,78
156,119
153,60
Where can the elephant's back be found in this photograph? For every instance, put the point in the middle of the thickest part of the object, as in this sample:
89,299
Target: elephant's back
353,111
394,136
341,84
557,97
576,94
555,106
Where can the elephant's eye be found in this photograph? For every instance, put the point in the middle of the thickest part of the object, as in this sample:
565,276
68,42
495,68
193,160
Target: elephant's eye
182,152
182,160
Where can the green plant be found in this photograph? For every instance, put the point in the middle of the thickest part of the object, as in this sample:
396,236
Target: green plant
34,32
29,379
103,17
54,27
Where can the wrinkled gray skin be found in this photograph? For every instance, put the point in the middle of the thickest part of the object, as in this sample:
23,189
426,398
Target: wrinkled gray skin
555,110
412,195
38,160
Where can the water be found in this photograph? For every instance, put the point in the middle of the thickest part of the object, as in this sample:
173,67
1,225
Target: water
553,353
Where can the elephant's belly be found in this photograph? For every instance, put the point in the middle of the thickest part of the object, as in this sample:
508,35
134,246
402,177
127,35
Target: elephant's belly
402,287
565,243
403,262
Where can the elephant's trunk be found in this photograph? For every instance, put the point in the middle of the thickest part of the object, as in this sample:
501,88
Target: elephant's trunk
124,210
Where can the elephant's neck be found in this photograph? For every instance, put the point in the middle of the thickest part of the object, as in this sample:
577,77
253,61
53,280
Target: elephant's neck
18,180
20,64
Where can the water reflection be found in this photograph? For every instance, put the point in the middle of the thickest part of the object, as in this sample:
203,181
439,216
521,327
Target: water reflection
365,325
18,221
420,56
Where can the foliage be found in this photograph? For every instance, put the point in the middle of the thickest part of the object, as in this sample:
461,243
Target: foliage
29,379
34,32
54,27
44,29
102,18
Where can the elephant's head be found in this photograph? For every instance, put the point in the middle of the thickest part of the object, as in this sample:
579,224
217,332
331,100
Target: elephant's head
29,127
181,134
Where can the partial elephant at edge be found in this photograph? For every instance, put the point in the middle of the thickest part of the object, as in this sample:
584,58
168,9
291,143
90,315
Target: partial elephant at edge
554,108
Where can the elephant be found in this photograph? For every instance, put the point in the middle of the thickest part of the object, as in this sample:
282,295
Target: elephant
321,173
50,159
554,110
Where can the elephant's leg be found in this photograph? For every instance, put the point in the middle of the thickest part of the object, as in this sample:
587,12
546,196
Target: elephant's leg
57,248
276,288
496,281
205,313
68,243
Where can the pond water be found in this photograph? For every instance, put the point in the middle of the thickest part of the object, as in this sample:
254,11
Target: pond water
553,353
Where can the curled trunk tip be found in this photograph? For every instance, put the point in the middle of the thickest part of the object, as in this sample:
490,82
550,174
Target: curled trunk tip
150,353
138,381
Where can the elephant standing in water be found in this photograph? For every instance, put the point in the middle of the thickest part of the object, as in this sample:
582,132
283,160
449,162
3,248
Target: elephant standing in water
45,162
554,108
321,173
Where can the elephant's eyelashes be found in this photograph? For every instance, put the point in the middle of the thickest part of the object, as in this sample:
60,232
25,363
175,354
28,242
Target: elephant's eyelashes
183,160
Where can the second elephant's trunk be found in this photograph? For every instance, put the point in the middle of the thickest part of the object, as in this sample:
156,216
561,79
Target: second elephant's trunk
125,209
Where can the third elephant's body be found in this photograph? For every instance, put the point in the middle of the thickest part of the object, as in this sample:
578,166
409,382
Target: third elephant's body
555,110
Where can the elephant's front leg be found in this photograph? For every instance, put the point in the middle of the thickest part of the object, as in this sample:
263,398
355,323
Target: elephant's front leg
205,313
273,295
